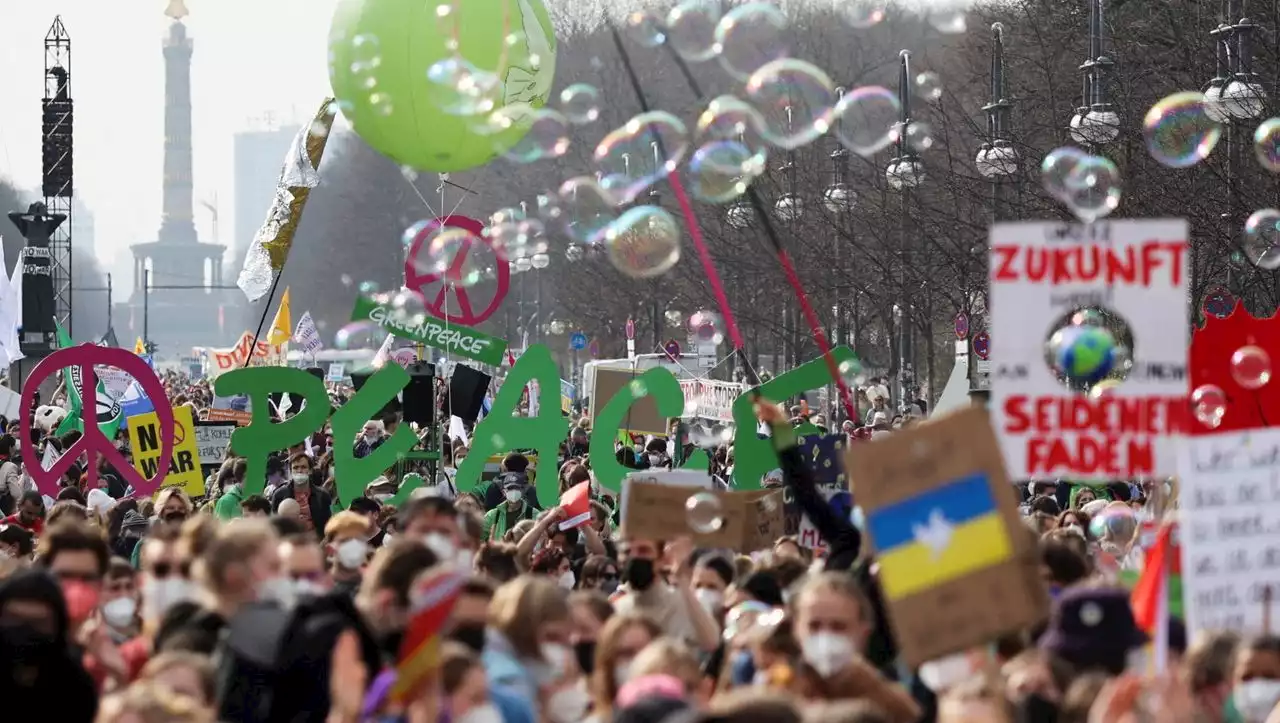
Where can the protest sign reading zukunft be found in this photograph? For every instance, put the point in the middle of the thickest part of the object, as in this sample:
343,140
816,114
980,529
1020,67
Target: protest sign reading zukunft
451,338
184,467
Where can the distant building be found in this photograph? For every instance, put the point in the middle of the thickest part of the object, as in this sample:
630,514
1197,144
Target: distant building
82,230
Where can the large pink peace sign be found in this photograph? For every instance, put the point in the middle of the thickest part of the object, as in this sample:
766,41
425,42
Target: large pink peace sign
92,441
436,298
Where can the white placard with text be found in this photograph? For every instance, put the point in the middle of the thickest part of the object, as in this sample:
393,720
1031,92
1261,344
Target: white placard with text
1229,520
1040,273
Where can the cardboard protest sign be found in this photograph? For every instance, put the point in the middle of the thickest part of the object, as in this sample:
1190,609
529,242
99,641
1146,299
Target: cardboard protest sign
956,565
654,507
93,442
642,417
212,440
337,372
234,408
450,338
145,434
1043,272
1230,529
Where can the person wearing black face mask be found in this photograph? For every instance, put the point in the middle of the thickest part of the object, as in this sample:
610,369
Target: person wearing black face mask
42,676
675,606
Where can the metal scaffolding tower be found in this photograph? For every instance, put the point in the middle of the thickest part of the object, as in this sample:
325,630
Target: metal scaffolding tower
58,180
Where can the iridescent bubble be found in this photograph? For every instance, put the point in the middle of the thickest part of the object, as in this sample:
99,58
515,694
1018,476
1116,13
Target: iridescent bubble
507,240
1251,366
1179,130
638,388
382,104
353,335
728,118
1266,144
1103,389
642,152
368,287
721,171
644,242
1093,189
851,373
928,85
861,14
1209,405
449,255
706,327
1115,528
749,36
461,88
580,103
691,29
587,210
1262,239
547,137
646,28
867,119
948,21
1057,166
704,512
919,136
366,53
548,205
796,101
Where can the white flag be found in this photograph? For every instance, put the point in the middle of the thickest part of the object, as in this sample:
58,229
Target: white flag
307,334
14,323
384,352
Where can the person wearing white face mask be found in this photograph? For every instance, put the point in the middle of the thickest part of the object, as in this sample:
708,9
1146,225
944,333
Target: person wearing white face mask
465,686
302,562
711,577
832,621
313,503
1256,691
514,509
118,604
346,541
527,648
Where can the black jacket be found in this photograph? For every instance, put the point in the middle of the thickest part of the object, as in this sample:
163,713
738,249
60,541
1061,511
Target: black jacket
320,502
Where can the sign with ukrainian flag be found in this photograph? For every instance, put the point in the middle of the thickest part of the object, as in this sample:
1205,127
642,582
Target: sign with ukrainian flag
956,566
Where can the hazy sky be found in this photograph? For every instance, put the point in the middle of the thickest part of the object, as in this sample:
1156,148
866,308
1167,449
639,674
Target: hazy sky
251,58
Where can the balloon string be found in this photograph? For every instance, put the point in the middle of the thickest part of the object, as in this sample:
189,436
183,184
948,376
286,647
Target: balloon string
784,259
691,223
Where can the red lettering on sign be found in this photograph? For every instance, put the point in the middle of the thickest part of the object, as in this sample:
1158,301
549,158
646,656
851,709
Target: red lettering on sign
1134,264
1107,456
1108,415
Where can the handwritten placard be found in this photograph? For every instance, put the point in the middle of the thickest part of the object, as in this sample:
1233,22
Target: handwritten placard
212,439
1230,525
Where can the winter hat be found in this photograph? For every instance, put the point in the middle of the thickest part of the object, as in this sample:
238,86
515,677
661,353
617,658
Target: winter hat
1093,627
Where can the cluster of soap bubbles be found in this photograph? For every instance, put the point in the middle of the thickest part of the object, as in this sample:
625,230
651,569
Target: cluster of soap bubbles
1088,185
1250,369
1083,352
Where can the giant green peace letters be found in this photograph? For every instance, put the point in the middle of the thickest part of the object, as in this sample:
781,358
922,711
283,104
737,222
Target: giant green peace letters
500,431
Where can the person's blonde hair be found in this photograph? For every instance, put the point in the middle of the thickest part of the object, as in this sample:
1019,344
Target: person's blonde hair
521,608
234,544
201,664
604,687
671,657
169,493
347,522
152,703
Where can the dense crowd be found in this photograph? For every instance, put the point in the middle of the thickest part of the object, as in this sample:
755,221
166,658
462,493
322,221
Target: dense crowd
291,605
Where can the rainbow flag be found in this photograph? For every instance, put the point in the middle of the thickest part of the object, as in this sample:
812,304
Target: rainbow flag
431,600
938,536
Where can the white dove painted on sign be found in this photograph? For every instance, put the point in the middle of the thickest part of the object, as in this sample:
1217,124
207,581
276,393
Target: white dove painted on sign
529,84
935,534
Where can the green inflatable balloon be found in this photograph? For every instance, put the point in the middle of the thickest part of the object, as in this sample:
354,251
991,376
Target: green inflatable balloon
379,55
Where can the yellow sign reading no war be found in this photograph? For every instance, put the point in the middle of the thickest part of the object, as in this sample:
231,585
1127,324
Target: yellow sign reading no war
184,468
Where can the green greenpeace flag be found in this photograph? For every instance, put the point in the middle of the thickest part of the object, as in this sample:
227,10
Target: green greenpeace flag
451,338
109,412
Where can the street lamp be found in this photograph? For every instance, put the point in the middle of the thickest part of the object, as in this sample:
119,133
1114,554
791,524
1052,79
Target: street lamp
997,158
739,216
839,199
904,172
1095,123
789,207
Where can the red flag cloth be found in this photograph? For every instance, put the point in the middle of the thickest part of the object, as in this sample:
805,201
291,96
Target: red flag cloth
432,599
576,504
1145,598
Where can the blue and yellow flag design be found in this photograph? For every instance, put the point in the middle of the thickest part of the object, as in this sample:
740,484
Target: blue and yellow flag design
938,536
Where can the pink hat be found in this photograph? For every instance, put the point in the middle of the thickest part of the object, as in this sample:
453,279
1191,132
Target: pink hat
663,686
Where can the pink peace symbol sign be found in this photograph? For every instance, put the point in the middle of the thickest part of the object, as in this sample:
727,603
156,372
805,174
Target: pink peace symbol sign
93,441
434,288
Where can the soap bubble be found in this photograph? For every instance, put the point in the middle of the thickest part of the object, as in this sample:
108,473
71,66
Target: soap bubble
1103,389
586,209
1058,164
866,119
1262,239
646,28
928,85
704,512
460,88
948,21
368,287
449,256
354,335
638,388
642,152
749,36
1179,130
851,373
1115,528
1251,367
1093,188
580,103
796,101
721,171
861,14
691,29
919,136
1266,144
674,317
707,327
1209,405
644,242
727,118
547,137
